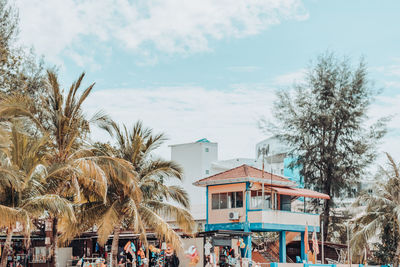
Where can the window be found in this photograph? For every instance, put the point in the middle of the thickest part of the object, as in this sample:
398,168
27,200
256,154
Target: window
223,200
286,202
239,200
235,200
206,149
257,199
267,201
207,171
227,200
215,201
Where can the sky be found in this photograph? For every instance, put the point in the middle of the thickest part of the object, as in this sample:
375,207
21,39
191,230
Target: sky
210,68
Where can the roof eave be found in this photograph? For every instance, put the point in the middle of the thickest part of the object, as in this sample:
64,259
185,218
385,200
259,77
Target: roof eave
242,180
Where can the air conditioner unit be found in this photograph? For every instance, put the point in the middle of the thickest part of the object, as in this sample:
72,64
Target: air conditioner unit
233,215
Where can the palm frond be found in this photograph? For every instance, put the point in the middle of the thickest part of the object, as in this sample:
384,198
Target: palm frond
173,213
52,204
161,227
10,217
108,221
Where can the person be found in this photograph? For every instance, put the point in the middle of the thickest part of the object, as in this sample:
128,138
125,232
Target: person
172,261
121,263
175,260
208,264
233,260
213,258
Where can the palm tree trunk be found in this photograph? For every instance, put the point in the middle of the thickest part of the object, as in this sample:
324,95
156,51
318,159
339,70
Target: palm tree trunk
397,255
114,246
54,245
7,247
147,256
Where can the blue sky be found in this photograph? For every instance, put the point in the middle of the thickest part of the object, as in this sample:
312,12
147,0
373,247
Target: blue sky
208,68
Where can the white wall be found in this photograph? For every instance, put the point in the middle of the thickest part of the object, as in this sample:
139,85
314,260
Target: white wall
64,254
275,146
187,242
195,161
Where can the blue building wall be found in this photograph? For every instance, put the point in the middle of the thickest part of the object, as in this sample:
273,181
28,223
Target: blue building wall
292,173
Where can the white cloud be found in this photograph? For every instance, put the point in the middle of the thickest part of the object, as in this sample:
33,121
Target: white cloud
229,117
389,70
290,78
395,84
173,26
187,114
388,106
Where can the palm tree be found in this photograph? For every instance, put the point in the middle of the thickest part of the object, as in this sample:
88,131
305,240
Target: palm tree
72,168
22,172
125,210
97,212
378,210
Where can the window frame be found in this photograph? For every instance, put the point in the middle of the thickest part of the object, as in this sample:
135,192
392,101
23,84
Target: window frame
216,198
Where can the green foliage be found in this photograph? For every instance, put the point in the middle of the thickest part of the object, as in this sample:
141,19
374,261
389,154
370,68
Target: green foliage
377,214
386,249
323,121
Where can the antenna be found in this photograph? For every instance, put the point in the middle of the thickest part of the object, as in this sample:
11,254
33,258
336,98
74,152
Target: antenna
263,151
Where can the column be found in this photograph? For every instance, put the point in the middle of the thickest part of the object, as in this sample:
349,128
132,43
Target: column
282,246
302,247
247,241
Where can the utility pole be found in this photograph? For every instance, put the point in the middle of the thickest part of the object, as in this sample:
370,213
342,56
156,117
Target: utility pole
348,245
322,243
263,151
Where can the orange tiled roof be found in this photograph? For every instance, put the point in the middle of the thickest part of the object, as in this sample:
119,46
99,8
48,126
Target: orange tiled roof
245,172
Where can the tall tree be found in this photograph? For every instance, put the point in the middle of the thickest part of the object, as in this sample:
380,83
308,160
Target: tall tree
323,121
22,174
156,204
20,70
72,167
379,212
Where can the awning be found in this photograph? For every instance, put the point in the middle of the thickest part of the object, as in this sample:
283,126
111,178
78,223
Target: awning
300,192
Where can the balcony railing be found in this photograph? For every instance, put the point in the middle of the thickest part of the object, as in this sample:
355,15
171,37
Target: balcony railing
280,218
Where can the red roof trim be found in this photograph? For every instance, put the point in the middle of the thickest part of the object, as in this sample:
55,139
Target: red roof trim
300,192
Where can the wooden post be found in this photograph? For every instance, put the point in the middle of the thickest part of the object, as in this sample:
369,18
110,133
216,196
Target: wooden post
322,242
263,197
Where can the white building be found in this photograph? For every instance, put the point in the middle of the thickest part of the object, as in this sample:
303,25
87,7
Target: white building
195,159
200,159
224,165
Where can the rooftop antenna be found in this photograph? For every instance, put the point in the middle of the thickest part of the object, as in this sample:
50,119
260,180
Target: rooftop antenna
263,152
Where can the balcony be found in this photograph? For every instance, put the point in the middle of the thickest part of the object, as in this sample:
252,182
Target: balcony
276,220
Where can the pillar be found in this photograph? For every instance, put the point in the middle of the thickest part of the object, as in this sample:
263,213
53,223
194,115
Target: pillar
302,247
247,241
282,246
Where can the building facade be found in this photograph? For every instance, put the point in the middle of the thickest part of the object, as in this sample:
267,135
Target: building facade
250,200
